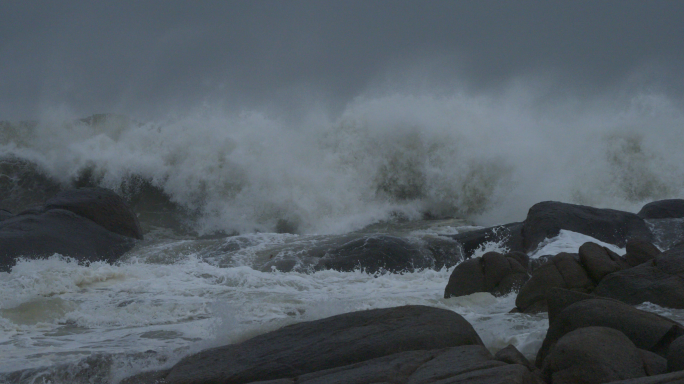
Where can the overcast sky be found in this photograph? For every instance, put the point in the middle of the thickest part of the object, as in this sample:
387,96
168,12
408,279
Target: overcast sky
143,57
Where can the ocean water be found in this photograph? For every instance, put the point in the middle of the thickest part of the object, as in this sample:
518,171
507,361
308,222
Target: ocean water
220,195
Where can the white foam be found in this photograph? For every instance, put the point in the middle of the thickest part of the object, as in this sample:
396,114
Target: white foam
487,157
568,241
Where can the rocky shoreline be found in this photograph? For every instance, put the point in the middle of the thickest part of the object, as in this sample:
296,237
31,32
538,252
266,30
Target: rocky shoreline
595,334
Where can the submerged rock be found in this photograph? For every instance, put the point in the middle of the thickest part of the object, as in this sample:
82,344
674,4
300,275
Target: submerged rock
493,272
546,219
96,225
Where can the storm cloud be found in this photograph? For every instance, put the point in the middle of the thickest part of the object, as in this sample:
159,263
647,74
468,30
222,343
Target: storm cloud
144,57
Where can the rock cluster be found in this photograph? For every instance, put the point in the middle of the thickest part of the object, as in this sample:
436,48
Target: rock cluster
88,224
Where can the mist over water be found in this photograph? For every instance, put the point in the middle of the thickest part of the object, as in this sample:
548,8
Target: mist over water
484,157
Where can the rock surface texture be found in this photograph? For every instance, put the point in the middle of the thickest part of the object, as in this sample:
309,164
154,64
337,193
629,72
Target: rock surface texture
659,281
90,224
493,272
546,219
404,345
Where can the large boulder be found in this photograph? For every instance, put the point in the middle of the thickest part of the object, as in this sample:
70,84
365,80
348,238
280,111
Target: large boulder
5,214
89,224
100,205
639,252
593,355
668,378
493,272
546,219
333,342
562,271
675,355
659,281
646,330
507,235
663,209
599,261
37,235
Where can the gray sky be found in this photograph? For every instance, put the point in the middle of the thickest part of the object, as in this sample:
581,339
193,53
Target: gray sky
146,57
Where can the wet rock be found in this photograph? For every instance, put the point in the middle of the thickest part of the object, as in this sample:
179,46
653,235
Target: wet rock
663,209
59,231
382,253
599,262
639,252
659,281
563,271
100,205
668,378
675,355
511,355
558,299
5,214
508,235
493,272
646,330
654,364
329,343
593,355
546,219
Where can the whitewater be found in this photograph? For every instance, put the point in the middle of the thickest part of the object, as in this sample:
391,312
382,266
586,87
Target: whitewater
223,195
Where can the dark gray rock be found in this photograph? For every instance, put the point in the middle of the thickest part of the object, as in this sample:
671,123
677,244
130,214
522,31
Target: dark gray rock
646,330
5,214
598,262
58,231
660,281
100,205
668,378
654,364
639,252
558,299
675,355
511,355
493,272
508,235
383,253
546,219
563,271
593,355
663,209
329,343
505,374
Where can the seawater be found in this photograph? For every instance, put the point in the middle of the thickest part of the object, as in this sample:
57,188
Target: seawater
144,314
218,192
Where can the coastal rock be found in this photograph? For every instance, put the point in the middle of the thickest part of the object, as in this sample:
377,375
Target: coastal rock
659,281
100,205
663,209
562,271
333,342
593,355
511,355
598,261
546,219
646,330
493,272
639,252
58,231
383,253
668,378
91,224
508,235
5,214
675,355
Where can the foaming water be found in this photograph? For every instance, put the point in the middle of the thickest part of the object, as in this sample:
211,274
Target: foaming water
486,158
